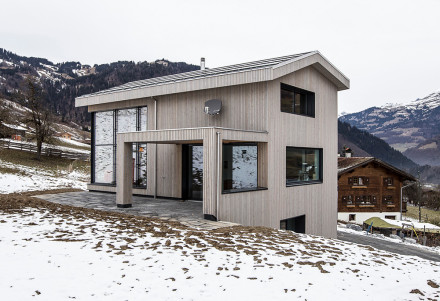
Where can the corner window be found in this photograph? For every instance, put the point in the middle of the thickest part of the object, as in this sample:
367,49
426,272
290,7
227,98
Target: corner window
240,167
303,165
106,125
297,101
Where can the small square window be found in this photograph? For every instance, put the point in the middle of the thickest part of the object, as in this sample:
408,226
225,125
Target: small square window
352,217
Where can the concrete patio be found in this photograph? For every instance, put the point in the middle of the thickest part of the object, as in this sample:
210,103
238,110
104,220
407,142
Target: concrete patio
188,213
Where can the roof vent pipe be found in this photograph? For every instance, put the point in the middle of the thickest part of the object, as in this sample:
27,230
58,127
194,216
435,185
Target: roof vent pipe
202,63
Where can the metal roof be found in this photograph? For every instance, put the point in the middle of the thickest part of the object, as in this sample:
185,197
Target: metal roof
262,64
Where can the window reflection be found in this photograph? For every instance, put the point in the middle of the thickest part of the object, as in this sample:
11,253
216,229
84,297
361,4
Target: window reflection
240,166
303,164
106,125
104,164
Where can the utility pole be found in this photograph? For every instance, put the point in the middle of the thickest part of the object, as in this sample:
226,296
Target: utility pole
419,197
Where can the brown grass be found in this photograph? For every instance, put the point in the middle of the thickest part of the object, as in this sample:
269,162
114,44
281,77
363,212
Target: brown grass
428,215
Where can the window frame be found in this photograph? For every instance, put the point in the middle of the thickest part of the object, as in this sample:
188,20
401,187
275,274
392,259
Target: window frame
291,183
309,102
227,191
113,144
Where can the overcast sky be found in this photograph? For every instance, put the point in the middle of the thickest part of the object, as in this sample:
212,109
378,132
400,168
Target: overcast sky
389,49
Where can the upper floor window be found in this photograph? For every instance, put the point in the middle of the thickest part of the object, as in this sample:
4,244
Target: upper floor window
297,101
303,165
387,182
358,181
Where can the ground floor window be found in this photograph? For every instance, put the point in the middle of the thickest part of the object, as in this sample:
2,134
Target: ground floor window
296,224
352,217
303,165
105,126
240,166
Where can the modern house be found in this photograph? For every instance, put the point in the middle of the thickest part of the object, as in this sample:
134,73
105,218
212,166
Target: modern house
369,187
255,142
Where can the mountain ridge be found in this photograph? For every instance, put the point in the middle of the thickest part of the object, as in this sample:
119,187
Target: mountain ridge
62,82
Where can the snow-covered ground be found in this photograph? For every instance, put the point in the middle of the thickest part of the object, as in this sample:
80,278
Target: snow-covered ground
31,179
51,256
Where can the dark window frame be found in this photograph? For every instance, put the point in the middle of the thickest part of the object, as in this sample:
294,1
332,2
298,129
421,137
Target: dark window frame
309,100
257,188
291,183
115,131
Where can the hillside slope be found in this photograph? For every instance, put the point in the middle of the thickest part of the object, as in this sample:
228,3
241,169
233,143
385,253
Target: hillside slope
62,82
366,144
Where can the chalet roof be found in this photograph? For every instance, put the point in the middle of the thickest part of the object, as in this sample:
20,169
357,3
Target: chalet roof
348,164
256,71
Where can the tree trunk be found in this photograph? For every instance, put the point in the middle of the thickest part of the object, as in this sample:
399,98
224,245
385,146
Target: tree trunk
39,145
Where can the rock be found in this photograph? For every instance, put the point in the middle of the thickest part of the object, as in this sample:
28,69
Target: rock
353,227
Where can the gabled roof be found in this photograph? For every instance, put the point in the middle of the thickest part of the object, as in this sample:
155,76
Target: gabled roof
257,71
348,164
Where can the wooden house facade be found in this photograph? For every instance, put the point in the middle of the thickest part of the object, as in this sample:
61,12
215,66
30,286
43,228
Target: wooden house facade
265,158
369,187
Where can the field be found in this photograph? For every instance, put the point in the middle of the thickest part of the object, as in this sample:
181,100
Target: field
428,215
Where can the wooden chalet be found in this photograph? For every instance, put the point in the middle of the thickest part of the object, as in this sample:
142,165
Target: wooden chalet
369,187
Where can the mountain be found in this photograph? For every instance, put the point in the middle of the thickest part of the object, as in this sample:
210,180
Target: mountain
426,153
62,82
402,126
365,144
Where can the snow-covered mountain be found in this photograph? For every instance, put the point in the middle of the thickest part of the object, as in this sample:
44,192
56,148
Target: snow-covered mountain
401,126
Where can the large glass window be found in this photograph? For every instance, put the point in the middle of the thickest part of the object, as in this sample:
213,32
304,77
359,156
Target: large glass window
127,120
104,148
240,166
297,101
303,165
106,125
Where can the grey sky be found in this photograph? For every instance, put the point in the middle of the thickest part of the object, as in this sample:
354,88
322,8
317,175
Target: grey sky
389,49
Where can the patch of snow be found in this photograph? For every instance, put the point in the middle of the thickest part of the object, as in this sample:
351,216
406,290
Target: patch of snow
54,257
32,179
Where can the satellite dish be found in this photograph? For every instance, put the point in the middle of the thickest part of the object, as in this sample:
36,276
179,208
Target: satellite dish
213,107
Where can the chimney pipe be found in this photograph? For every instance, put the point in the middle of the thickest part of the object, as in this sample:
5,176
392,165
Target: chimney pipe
202,63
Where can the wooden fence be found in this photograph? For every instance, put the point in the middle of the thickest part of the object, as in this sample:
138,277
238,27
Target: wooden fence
48,151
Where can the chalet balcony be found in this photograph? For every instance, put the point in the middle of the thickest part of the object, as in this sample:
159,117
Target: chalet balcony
359,203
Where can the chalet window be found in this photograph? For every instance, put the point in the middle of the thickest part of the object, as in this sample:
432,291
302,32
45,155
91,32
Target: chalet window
347,199
106,125
388,200
366,199
303,165
297,101
387,182
358,181
240,166
352,217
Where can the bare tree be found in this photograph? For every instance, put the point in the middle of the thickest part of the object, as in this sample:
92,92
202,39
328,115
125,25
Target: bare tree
39,117
4,117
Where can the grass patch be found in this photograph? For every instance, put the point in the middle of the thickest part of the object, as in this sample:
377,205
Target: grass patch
428,215
4,169
47,163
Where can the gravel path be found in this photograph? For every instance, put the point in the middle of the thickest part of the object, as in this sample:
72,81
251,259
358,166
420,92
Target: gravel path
388,246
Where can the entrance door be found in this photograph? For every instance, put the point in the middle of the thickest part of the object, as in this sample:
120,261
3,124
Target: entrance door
192,172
